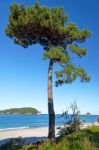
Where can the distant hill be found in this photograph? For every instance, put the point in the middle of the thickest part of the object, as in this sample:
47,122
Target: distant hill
88,113
24,110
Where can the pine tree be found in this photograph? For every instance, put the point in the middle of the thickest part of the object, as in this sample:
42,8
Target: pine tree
60,38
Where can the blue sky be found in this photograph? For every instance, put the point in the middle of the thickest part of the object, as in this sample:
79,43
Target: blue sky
23,72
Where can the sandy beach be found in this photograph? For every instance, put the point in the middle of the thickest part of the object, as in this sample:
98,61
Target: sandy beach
32,135
38,132
33,132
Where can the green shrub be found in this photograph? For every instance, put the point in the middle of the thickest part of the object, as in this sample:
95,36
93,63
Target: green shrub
72,122
98,119
29,147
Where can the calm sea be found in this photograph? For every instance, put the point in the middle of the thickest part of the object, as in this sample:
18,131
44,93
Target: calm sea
8,122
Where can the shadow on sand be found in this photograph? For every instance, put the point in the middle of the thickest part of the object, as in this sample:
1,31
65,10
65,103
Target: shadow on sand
22,141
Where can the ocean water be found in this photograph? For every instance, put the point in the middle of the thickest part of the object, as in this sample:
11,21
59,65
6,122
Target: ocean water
15,121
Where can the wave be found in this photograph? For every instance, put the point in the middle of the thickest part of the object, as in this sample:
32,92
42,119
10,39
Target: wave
19,128
16,128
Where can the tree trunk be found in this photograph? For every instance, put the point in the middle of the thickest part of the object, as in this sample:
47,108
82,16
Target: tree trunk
51,134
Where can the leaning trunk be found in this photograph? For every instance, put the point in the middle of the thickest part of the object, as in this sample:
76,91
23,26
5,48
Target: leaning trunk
51,134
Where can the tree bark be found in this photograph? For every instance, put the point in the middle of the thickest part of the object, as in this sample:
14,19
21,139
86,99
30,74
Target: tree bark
51,134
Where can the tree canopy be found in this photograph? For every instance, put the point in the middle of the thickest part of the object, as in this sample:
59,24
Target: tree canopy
50,28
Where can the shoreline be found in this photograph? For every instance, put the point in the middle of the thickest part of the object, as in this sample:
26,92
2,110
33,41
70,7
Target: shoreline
25,132
30,135
21,128
33,135
34,130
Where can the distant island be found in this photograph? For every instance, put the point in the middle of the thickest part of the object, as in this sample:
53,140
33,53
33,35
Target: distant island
23,110
88,113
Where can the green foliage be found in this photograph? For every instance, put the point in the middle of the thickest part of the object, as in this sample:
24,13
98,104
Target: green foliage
57,55
29,147
91,133
24,110
36,24
50,28
69,74
98,119
72,121
77,50
63,144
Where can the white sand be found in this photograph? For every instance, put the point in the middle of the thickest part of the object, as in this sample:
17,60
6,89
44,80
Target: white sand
86,125
36,134
31,132
31,135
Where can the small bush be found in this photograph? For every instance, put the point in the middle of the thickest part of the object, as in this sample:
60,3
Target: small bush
98,119
29,147
72,122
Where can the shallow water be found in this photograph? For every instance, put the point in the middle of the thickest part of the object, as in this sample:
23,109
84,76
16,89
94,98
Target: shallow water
15,121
